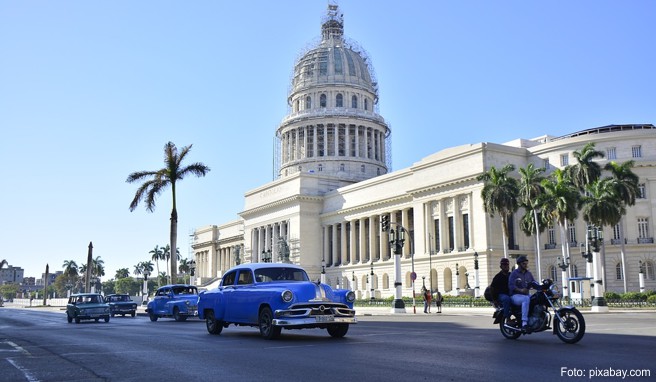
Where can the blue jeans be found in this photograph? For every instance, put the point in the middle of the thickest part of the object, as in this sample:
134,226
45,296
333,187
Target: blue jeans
522,300
504,300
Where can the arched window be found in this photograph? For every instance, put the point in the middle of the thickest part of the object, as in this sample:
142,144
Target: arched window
366,104
308,103
339,100
647,268
322,100
553,273
354,102
341,167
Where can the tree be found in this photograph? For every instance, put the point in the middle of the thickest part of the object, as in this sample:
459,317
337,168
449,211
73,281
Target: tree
530,190
560,201
167,255
70,270
122,273
157,255
158,181
499,194
585,171
627,189
185,268
98,265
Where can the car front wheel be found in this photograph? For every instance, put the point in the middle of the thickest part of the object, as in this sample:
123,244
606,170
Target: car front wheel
177,316
152,316
267,329
69,318
133,314
213,326
338,331
106,318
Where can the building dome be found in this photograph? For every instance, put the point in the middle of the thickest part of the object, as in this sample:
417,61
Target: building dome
333,127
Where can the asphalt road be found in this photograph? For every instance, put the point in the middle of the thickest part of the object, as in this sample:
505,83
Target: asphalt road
37,345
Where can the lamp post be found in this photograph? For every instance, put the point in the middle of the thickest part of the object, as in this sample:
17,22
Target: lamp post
564,265
146,273
266,256
396,239
371,281
69,286
323,271
457,280
641,277
430,262
236,252
192,272
283,251
353,281
596,241
477,288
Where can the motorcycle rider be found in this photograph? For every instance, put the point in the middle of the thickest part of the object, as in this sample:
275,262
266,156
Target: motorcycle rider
500,292
519,283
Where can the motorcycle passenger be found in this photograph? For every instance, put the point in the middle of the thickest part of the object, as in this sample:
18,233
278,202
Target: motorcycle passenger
500,292
518,284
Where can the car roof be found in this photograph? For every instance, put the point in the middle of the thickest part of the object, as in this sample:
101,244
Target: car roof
85,294
253,266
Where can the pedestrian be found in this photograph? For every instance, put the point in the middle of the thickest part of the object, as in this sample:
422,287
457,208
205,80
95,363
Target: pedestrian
438,301
427,299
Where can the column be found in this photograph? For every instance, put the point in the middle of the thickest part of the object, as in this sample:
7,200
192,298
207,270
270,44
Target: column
404,223
363,240
353,242
326,242
335,250
373,240
343,241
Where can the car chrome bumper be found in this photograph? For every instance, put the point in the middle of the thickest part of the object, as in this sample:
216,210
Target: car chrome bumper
314,316
311,321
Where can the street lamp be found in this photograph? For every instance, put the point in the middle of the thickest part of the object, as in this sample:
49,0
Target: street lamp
192,272
283,251
236,252
595,234
266,256
372,297
69,286
641,276
323,271
457,280
477,289
146,273
563,264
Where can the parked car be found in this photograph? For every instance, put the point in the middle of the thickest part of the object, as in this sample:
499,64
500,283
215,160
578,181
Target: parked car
178,301
121,304
273,297
86,306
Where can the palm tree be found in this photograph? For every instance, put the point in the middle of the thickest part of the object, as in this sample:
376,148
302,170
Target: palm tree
166,253
157,255
500,193
70,270
560,200
157,181
98,265
627,189
122,273
585,171
183,267
530,190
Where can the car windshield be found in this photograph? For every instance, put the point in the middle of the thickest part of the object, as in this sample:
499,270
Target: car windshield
185,290
93,299
280,274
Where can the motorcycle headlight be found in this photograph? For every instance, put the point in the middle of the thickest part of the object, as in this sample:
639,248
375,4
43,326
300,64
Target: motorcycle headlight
350,296
287,296
555,291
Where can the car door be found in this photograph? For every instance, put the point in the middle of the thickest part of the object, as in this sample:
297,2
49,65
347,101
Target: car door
227,288
161,299
240,300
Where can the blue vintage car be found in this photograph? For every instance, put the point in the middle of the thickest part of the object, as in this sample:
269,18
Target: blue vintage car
273,297
178,301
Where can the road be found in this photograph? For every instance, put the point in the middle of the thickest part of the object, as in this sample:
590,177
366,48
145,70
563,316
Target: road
38,345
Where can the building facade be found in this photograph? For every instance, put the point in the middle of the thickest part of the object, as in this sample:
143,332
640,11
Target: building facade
334,186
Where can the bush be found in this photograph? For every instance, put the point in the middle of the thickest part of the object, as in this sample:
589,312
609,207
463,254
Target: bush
652,299
612,296
634,296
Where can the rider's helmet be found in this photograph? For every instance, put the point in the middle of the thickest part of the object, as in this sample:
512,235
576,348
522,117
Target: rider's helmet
521,259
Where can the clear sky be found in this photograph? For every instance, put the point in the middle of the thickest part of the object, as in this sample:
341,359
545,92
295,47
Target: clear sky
91,91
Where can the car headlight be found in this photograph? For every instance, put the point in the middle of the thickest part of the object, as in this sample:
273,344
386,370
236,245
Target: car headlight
287,295
350,296
187,303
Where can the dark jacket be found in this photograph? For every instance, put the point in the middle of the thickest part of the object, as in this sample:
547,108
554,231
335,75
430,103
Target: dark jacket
500,285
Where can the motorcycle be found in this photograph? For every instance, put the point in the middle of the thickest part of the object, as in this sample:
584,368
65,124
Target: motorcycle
568,322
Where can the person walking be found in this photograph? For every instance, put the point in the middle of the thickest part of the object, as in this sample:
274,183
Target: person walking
427,299
438,301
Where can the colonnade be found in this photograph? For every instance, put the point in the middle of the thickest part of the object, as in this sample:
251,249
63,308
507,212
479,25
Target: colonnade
267,238
333,140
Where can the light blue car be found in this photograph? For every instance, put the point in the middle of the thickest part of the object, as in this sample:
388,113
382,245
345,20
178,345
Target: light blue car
179,301
273,297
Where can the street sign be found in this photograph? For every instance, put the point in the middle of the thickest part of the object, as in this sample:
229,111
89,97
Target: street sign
413,276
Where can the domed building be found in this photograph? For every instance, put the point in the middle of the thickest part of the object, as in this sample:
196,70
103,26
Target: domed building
335,188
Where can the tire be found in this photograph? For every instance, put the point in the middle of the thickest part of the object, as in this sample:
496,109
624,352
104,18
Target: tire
572,329
69,318
112,314
107,319
133,314
96,319
509,333
338,331
265,320
77,320
213,326
177,316
152,316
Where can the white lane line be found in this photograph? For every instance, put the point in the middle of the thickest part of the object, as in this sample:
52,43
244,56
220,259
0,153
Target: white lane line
28,375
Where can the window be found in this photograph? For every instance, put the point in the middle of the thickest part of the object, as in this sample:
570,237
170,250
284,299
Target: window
564,160
552,235
572,232
465,229
610,153
339,100
297,106
437,235
553,272
322,100
545,163
647,268
616,232
245,277
308,103
618,271
341,167
354,102
310,142
320,167
362,168
643,228
575,270
229,279
330,141
636,151
641,191
341,140
366,104
338,61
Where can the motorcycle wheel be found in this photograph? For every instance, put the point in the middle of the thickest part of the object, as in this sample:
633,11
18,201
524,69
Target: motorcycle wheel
572,327
509,333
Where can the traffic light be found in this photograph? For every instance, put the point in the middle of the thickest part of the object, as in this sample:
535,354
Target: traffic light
384,223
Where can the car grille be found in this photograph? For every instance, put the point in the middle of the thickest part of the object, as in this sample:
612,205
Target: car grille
94,311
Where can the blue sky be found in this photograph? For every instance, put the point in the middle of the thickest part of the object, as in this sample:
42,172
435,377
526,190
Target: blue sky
90,91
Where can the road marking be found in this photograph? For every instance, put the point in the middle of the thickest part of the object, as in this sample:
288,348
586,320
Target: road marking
28,375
